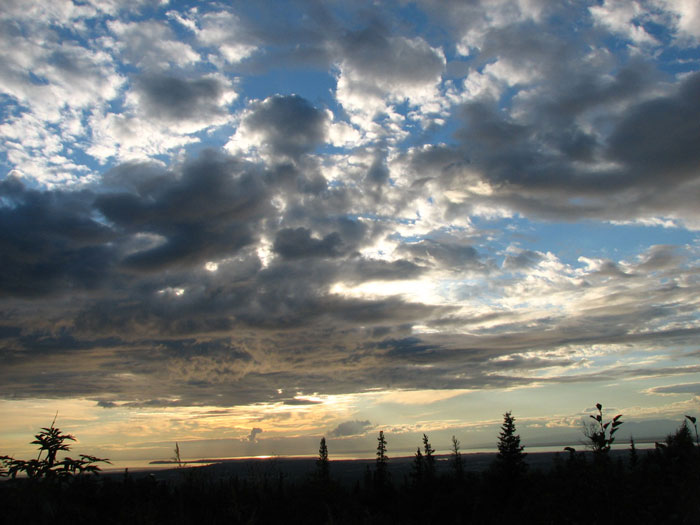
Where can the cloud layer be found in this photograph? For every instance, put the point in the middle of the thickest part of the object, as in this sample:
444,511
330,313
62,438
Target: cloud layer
201,208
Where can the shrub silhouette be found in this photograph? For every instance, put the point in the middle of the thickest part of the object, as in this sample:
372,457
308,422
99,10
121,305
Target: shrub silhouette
601,435
52,441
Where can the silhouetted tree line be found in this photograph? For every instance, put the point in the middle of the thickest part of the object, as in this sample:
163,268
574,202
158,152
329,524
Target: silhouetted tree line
657,486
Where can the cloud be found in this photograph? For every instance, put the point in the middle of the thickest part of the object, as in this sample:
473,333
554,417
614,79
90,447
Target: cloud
285,125
656,136
226,35
206,211
523,260
660,257
625,18
253,436
50,241
175,99
508,155
401,231
296,243
351,428
150,44
447,254
682,388
377,69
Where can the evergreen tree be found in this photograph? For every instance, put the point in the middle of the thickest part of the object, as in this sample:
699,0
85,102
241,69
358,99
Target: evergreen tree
510,458
694,421
429,452
457,463
634,457
381,474
681,440
418,466
322,462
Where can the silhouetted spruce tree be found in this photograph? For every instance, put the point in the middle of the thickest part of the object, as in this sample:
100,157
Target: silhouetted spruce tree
695,425
634,457
428,452
511,458
418,467
322,464
457,463
681,441
381,474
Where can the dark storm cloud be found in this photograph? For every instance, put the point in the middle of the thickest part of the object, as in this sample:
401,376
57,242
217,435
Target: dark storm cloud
313,359
290,125
653,146
130,317
285,308
443,161
171,98
50,241
658,139
298,243
288,293
407,347
208,210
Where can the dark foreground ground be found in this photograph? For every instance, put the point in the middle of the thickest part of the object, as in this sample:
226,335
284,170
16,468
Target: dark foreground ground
660,486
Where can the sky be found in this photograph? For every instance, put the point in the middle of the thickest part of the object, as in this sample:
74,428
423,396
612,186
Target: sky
242,226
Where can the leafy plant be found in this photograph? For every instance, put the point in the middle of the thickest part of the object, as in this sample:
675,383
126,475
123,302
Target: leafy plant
51,441
601,435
